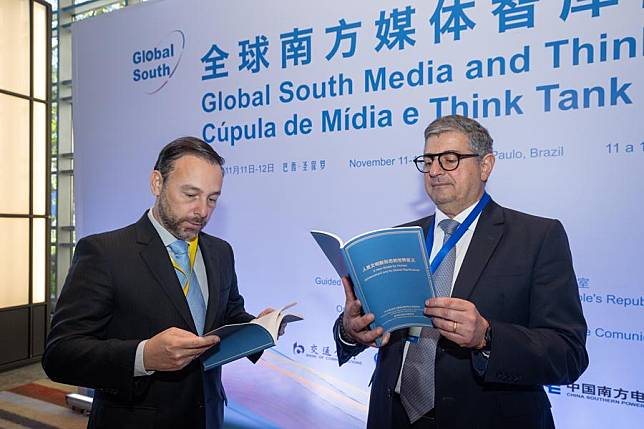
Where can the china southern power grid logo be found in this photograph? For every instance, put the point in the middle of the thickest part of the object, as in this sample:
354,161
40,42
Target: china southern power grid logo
154,66
609,395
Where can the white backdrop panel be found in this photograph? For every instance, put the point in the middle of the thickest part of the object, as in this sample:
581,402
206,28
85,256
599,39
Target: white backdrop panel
562,151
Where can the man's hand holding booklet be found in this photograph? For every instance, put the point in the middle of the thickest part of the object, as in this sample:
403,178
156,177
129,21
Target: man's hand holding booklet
390,272
245,339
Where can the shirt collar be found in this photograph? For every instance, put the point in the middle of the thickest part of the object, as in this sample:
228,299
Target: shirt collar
166,236
460,218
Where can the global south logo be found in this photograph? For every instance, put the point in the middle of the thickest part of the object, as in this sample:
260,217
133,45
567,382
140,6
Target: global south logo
153,67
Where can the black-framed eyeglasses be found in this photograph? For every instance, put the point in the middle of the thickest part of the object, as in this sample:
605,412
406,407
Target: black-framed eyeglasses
448,160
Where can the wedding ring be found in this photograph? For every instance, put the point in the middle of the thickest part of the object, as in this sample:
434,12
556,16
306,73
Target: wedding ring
455,326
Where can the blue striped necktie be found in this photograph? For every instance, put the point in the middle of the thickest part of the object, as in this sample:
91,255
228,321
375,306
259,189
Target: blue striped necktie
188,278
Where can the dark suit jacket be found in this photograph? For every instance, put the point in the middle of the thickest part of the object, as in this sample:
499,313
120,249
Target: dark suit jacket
120,290
518,272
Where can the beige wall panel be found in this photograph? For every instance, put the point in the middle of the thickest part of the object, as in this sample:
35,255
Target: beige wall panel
14,46
39,158
38,275
40,51
14,162
14,282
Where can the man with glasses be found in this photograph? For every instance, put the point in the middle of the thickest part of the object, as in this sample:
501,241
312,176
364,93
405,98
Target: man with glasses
507,319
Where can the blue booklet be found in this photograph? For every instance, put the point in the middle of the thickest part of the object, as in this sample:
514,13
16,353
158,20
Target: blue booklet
245,339
390,273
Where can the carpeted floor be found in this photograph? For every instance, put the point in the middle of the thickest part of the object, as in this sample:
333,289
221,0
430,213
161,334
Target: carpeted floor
291,395
38,405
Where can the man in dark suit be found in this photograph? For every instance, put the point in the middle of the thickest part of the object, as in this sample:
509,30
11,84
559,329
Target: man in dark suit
509,322
130,318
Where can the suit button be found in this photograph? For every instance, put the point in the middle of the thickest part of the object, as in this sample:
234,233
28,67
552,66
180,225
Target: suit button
388,393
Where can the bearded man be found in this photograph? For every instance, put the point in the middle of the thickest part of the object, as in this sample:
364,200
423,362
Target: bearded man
136,302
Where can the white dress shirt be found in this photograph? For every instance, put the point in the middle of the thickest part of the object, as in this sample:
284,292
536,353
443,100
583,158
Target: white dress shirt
461,249
200,272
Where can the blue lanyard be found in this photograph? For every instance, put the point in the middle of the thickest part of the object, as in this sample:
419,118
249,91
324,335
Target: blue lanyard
447,246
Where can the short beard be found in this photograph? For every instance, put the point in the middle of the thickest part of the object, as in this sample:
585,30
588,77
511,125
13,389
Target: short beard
171,222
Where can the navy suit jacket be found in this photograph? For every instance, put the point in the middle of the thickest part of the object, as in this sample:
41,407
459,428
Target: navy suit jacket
518,272
121,289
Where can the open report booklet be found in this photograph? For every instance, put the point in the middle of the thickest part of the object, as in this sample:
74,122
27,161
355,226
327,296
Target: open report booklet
244,339
390,273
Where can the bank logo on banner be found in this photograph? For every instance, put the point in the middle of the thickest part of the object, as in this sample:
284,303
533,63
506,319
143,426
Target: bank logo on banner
315,351
154,66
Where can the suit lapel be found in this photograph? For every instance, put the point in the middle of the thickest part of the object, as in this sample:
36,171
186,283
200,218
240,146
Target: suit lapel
487,235
425,224
156,258
213,273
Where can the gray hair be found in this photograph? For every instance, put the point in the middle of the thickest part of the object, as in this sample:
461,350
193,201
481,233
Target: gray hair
479,138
